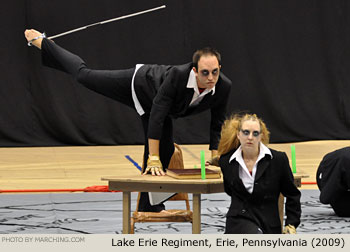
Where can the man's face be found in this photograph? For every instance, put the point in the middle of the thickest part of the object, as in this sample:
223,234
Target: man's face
208,71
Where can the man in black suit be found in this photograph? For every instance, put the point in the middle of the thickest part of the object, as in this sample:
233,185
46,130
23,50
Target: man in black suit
333,180
159,93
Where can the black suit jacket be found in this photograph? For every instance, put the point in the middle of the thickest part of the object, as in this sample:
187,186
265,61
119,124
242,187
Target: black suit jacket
162,92
160,89
333,175
273,177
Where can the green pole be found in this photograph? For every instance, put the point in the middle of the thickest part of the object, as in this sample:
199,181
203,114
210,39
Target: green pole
202,164
294,166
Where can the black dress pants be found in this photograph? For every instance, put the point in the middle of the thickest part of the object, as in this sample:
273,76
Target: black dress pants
240,225
341,204
115,84
166,150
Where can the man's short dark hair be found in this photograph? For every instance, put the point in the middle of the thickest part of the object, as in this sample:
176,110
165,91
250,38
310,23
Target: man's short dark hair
205,51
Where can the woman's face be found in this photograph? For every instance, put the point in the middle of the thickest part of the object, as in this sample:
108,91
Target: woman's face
250,135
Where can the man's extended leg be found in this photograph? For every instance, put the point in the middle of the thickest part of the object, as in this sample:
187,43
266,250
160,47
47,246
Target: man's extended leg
115,84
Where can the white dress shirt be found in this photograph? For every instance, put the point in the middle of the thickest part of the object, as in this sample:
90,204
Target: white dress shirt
244,174
191,83
137,104
197,96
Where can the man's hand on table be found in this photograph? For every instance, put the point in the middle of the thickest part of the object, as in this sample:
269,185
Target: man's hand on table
154,166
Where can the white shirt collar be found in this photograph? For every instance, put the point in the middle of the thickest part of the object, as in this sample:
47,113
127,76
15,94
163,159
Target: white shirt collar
192,83
263,151
248,177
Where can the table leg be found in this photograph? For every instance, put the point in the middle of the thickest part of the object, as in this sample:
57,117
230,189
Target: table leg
196,225
297,182
281,208
126,212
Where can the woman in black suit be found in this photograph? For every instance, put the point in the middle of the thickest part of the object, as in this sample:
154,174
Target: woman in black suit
254,177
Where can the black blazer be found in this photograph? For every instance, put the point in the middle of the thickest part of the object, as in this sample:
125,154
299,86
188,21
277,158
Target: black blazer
333,175
162,92
273,176
160,89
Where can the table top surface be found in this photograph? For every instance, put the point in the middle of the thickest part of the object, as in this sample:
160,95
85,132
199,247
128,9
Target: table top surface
132,180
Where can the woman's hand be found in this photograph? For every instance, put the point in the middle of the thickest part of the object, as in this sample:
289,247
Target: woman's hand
289,229
213,161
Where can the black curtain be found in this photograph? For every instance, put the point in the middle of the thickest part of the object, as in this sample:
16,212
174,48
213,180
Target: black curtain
288,61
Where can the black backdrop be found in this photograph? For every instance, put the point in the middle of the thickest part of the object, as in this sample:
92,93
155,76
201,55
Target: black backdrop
288,61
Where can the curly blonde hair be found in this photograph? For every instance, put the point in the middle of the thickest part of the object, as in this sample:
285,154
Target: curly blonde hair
231,128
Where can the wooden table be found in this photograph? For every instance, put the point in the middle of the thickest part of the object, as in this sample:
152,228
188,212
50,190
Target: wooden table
148,183
132,181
